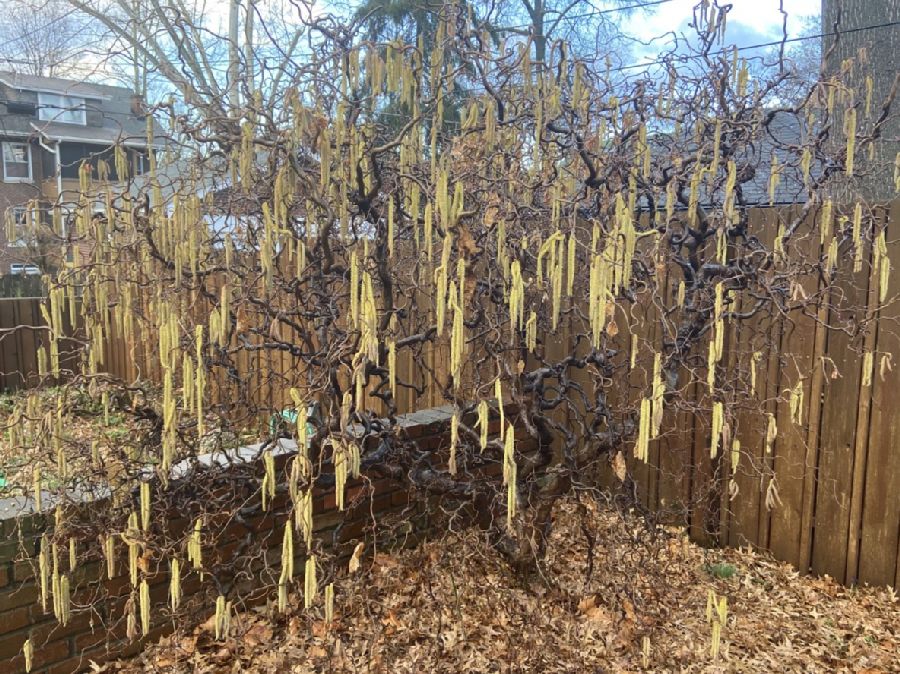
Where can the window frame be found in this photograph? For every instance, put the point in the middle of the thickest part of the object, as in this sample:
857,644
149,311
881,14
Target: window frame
64,104
15,211
24,269
17,179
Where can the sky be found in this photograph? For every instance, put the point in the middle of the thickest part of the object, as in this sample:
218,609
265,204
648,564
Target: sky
749,22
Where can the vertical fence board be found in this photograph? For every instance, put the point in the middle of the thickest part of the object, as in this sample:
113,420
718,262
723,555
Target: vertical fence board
838,436
797,353
12,361
878,552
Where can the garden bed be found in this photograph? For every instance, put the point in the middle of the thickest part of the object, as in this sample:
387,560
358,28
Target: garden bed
638,603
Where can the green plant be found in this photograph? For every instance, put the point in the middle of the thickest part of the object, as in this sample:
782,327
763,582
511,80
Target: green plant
721,570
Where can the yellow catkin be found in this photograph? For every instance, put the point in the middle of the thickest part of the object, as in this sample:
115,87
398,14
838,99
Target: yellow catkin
194,547
269,483
658,397
718,422
882,264
130,538
857,238
28,653
304,517
516,297
340,475
498,395
392,367
454,443
483,423
457,337
795,403
897,173
867,368
144,596
771,432
531,332
222,618
329,603
175,584
310,583
825,221
735,454
145,506
774,178
44,570
754,359
287,566
850,133
108,545
641,449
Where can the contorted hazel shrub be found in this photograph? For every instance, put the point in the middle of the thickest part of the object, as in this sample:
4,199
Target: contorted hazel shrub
393,226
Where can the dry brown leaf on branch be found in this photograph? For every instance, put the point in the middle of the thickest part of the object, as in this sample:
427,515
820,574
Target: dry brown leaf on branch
353,565
619,467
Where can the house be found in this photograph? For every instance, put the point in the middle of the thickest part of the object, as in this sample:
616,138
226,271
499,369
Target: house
49,129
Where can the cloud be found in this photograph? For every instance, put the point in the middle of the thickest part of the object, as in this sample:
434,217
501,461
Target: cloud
749,22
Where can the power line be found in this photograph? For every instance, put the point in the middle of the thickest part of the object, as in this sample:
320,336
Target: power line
674,56
596,12
774,43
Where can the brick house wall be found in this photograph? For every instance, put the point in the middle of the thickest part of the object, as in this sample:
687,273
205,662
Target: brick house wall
111,115
14,194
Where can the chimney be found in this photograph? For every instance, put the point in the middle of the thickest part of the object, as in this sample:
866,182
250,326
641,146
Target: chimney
137,106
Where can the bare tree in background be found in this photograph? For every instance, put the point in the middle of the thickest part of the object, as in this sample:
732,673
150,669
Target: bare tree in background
44,37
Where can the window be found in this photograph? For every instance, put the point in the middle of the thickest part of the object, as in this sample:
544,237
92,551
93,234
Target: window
21,108
73,155
20,225
142,162
21,269
59,108
16,163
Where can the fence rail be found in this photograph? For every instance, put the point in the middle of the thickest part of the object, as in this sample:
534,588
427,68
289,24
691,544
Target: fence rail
825,496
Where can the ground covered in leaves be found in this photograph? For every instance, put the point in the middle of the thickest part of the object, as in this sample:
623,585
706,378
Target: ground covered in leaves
92,436
637,602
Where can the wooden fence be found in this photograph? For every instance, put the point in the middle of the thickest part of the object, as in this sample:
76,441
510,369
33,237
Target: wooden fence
826,497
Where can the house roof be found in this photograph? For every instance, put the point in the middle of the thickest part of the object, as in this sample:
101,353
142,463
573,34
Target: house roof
105,135
782,137
56,85
109,110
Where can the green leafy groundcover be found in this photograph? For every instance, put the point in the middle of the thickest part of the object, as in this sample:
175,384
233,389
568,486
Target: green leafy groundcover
641,604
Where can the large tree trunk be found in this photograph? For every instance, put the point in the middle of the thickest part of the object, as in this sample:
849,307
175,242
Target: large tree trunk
861,25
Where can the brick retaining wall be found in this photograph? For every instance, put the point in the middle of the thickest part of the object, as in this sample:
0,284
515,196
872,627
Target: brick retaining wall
97,627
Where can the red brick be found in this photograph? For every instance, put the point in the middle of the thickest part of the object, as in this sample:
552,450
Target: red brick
352,530
23,570
53,630
13,662
400,498
384,485
15,596
91,640
81,660
15,619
